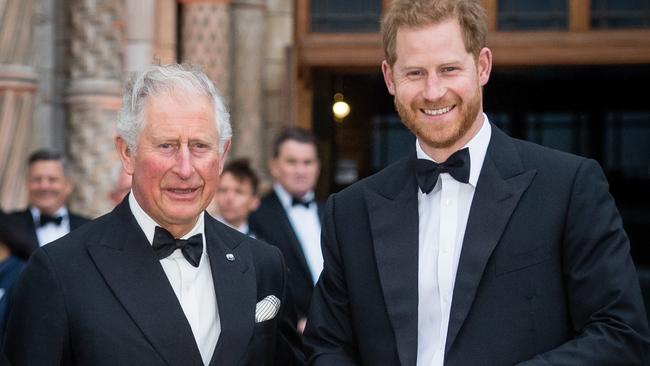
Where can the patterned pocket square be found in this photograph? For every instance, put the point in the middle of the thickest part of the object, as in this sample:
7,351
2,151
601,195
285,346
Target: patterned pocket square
267,308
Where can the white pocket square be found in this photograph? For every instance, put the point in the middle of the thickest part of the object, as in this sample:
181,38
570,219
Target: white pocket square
267,308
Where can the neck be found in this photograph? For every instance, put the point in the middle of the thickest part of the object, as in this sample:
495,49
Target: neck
48,211
4,252
236,224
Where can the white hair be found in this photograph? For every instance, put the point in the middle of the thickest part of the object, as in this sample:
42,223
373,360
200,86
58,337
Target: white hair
167,78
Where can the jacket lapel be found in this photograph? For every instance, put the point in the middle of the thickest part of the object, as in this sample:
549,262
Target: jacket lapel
501,184
128,264
393,210
236,290
295,245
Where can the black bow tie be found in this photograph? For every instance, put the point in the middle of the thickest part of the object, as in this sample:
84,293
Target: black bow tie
164,244
46,219
457,166
297,201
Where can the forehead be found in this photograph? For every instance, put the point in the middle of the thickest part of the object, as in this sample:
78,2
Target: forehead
46,167
229,179
436,40
296,149
178,110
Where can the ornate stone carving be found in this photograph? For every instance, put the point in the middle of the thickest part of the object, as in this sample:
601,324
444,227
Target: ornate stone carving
206,40
94,99
249,26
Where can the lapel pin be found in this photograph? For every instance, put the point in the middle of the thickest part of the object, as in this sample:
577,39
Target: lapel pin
230,257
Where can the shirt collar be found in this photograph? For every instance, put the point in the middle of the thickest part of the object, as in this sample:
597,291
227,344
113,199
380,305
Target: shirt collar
36,213
285,197
477,149
148,225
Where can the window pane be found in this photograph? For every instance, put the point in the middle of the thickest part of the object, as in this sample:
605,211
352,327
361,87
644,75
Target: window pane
345,16
620,13
532,14
554,130
628,151
391,141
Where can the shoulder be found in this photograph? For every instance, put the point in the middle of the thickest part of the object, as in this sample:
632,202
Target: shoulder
269,207
74,217
19,215
72,246
260,251
538,155
387,181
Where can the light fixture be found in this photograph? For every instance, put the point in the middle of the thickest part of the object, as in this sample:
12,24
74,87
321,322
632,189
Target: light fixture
340,108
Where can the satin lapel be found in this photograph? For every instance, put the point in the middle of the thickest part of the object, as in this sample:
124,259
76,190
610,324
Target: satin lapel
500,187
236,290
393,211
127,262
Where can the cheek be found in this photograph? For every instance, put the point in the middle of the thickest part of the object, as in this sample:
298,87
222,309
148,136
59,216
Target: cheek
149,173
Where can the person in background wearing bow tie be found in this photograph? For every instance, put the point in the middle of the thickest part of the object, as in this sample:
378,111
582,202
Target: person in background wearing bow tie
476,249
157,280
46,218
289,216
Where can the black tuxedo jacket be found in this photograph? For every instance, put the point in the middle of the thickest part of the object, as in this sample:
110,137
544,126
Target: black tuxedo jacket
544,277
270,222
22,224
99,296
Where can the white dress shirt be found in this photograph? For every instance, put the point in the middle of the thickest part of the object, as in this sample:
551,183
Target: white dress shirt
51,231
306,224
193,286
443,217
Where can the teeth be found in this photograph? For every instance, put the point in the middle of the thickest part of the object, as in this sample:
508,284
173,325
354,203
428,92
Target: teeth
436,112
189,190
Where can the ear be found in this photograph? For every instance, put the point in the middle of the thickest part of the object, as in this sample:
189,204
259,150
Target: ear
484,65
125,154
273,168
69,187
255,203
222,158
388,76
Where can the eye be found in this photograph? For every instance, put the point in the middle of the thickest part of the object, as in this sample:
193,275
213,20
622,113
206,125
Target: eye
201,146
448,69
414,74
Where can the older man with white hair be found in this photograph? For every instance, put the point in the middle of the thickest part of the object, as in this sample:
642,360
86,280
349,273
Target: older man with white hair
157,281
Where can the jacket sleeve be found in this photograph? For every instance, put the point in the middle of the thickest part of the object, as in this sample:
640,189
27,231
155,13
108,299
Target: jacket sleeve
328,337
605,302
37,331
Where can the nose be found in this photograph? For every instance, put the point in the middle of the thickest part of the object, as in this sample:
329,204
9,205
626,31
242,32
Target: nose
433,88
184,167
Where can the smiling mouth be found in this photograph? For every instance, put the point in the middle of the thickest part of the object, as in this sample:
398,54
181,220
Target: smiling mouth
183,191
437,112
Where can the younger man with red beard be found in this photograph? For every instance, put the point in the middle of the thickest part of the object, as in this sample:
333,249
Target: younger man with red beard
476,249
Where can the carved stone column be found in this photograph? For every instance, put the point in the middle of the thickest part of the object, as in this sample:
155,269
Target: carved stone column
140,21
249,27
94,99
18,81
205,34
165,31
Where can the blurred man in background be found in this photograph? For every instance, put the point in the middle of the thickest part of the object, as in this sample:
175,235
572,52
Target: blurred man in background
289,216
46,218
121,184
